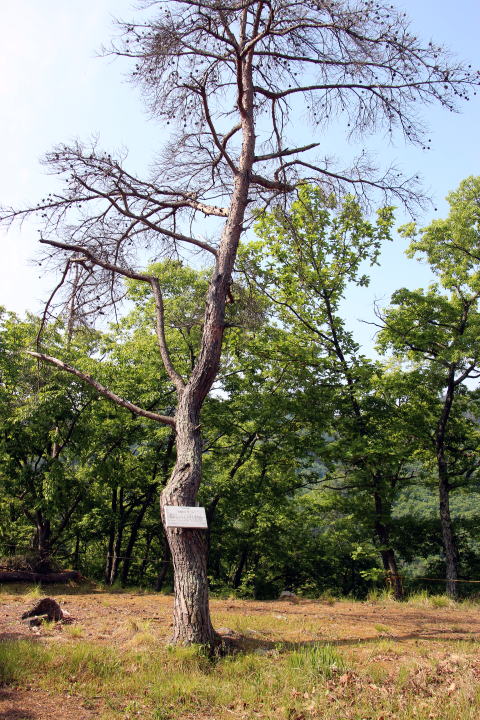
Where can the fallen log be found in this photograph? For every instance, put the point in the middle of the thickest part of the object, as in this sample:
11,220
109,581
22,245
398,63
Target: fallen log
13,576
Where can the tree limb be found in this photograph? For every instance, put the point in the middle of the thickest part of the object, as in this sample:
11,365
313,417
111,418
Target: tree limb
102,390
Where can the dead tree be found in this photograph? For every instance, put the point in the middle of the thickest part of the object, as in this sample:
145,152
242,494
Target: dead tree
235,80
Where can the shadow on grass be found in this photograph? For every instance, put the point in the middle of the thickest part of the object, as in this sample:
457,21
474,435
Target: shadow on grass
247,644
7,636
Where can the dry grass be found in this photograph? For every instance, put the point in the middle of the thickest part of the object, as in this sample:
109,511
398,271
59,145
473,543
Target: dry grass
305,661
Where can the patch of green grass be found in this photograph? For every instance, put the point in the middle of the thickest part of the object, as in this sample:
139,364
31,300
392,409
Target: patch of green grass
441,601
23,660
20,659
423,599
382,629
189,659
327,597
34,593
316,660
403,675
385,645
88,662
74,631
380,595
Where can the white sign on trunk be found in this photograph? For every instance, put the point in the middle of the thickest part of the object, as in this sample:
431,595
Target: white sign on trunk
185,517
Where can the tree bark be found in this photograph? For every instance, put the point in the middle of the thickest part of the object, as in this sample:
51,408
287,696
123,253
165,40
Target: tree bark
449,541
191,615
134,534
448,536
111,538
189,548
117,547
387,553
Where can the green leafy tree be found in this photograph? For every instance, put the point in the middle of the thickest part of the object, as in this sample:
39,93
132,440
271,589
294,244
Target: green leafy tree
45,431
304,261
437,330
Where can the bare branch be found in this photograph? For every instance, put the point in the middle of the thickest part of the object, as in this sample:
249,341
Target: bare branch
102,390
175,377
283,153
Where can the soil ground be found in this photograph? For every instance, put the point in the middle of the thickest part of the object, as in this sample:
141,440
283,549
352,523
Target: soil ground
384,633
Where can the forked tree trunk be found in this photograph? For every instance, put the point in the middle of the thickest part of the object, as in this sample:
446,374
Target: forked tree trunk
134,531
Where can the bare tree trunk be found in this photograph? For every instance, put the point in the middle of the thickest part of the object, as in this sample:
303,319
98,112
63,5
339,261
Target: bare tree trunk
449,541
393,578
111,539
42,539
237,577
42,542
134,533
117,548
448,537
387,553
191,614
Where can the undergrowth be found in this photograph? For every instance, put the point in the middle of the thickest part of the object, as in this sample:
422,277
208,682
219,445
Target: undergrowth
309,681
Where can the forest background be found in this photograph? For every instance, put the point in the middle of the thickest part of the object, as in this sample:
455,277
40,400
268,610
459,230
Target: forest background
286,489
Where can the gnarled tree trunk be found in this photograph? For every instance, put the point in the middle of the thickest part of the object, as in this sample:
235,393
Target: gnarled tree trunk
191,614
189,548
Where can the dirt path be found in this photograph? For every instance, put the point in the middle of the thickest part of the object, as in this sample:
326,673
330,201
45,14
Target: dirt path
114,619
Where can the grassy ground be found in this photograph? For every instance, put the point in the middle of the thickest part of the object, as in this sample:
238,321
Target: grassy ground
300,661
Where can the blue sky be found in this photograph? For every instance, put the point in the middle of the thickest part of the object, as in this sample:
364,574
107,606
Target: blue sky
55,88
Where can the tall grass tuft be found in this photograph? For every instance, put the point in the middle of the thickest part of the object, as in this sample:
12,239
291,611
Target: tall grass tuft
20,658
380,595
34,593
423,599
89,662
316,660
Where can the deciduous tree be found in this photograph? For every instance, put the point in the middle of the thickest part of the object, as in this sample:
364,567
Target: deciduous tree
438,331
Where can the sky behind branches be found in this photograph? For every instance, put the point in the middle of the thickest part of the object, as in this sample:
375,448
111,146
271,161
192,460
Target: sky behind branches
55,88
